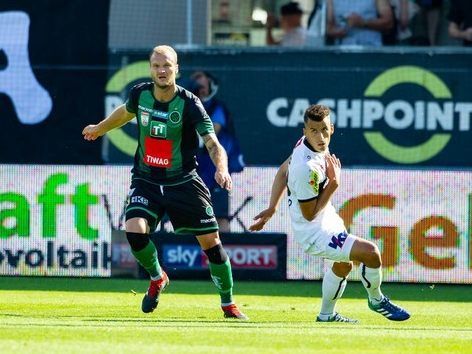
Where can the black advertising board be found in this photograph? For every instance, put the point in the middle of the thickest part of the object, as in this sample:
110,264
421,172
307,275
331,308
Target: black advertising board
53,58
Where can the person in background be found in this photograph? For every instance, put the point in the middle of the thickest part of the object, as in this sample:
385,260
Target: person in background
399,32
427,22
359,22
294,34
460,21
205,87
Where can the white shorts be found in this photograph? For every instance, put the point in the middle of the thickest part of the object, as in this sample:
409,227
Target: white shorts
334,247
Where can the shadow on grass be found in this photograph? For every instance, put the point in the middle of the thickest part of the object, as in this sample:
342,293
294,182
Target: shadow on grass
397,291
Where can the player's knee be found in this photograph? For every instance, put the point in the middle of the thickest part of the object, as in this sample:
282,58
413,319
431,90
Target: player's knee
342,269
137,241
372,256
216,254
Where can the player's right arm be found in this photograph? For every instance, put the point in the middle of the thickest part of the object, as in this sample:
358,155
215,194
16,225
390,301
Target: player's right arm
278,188
117,118
310,209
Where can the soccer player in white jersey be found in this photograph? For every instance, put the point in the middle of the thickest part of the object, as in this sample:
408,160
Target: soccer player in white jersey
312,175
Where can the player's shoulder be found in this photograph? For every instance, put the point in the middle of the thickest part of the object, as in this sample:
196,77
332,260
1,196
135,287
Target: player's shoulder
298,162
142,86
305,161
185,94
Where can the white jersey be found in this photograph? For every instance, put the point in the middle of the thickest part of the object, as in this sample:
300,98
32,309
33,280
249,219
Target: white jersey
306,176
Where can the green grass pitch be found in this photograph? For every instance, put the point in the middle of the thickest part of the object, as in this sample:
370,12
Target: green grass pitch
59,315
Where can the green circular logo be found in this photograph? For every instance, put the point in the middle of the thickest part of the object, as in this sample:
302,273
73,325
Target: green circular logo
412,75
209,210
175,117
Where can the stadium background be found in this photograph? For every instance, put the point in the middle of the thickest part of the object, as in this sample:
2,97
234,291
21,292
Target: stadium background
402,116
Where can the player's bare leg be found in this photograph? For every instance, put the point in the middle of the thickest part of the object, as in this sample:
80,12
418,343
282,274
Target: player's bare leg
368,255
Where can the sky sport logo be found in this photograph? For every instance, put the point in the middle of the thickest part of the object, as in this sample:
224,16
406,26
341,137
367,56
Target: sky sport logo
440,116
241,256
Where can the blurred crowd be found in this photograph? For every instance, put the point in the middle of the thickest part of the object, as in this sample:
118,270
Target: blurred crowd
372,23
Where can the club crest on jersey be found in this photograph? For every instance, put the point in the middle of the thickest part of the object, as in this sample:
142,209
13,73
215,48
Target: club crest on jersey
175,117
314,182
144,119
209,210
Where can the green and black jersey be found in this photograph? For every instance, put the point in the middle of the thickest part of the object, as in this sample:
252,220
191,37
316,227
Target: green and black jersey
167,140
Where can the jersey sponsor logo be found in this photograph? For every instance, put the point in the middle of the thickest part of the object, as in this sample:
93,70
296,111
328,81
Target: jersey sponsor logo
144,118
139,200
160,114
158,129
157,152
207,221
338,241
145,109
175,117
314,181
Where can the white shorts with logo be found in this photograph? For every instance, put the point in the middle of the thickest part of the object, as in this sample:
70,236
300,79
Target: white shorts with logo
335,247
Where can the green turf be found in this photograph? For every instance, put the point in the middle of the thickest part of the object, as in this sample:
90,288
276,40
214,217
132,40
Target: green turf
56,315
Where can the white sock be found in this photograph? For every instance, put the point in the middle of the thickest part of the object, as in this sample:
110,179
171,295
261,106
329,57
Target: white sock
332,289
372,278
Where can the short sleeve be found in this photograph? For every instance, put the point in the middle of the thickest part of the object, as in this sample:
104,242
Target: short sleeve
131,103
199,117
306,181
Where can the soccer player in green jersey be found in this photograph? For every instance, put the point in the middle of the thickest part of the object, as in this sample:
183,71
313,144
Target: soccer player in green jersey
164,179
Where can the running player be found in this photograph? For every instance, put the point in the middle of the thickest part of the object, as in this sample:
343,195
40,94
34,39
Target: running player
312,175
164,179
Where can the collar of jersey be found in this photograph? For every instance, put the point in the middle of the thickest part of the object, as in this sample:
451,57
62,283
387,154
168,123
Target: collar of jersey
307,144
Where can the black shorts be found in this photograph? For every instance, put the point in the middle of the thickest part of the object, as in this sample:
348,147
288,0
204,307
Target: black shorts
188,206
220,201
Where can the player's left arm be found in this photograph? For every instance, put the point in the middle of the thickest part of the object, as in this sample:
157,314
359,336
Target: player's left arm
220,160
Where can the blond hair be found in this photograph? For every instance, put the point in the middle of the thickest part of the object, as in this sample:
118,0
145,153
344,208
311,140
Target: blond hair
165,50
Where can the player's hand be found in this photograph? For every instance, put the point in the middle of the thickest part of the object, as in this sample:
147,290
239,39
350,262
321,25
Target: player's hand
261,219
92,132
223,178
333,169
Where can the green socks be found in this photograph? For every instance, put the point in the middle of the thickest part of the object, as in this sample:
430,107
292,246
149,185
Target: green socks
223,279
147,257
